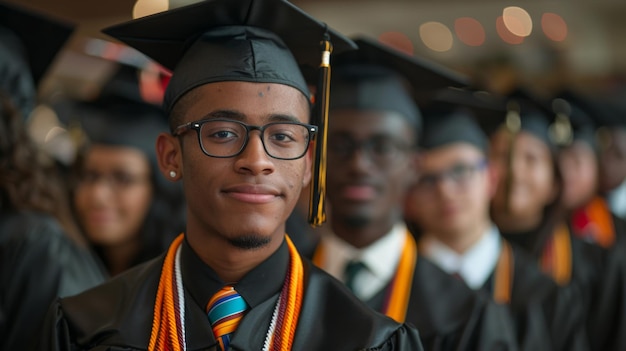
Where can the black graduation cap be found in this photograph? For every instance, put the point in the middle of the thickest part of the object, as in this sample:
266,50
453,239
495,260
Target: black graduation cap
378,77
461,116
117,116
230,40
529,113
242,40
29,42
576,109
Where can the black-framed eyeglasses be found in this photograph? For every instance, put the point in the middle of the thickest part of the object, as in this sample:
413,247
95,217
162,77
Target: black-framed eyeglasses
223,138
381,150
458,174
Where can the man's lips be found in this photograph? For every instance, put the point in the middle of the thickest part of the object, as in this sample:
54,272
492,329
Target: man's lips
358,192
252,193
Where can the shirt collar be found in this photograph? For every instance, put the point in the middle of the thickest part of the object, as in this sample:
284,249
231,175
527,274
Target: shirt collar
475,265
381,257
258,285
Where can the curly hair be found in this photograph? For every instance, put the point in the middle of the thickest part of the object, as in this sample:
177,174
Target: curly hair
26,183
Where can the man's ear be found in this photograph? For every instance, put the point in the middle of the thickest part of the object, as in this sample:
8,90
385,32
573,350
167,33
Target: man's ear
169,155
413,167
308,166
493,178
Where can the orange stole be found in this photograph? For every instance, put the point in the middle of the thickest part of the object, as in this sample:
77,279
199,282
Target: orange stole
556,258
504,273
399,292
602,229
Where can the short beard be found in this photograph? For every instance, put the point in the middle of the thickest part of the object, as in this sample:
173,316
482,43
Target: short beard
249,242
357,222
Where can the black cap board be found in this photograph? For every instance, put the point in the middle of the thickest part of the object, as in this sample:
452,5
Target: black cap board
29,42
378,77
230,40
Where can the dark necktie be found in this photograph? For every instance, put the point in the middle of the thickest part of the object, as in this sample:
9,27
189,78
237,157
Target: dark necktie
352,269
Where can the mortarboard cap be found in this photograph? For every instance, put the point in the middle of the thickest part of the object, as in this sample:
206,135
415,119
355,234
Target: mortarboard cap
264,41
461,116
528,113
378,77
230,40
576,110
29,42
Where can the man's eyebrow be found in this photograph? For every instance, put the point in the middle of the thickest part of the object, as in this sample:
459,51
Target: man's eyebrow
229,114
279,117
239,116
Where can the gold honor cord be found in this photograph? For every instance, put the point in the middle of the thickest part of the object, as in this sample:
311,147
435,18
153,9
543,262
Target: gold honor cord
556,259
503,281
317,200
399,294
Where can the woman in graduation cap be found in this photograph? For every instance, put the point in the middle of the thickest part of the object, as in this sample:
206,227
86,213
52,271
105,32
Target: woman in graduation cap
127,209
591,216
239,113
527,208
42,254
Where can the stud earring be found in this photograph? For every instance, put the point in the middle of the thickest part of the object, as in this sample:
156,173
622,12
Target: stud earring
173,174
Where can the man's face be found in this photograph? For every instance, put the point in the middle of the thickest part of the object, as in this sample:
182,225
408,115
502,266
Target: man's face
244,199
453,192
613,161
579,168
370,166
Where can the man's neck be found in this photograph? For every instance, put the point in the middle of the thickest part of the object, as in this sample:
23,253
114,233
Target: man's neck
229,262
360,237
461,242
517,224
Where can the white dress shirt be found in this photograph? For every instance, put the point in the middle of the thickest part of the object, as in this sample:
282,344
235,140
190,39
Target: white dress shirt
475,265
381,259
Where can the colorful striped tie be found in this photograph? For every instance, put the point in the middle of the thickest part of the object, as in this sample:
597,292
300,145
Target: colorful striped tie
225,310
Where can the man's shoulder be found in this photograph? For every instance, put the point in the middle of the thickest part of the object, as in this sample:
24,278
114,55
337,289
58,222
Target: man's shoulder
120,308
330,307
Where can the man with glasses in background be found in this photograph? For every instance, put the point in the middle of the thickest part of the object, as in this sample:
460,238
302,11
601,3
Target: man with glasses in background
373,133
448,210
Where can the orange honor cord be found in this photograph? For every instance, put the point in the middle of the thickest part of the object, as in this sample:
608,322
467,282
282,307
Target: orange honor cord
295,294
399,294
503,282
165,334
556,259
600,215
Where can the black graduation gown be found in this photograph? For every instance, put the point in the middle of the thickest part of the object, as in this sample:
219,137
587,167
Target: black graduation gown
599,276
547,317
118,316
38,263
451,316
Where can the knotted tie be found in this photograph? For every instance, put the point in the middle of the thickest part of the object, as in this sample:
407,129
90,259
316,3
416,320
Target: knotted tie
225,310
353,268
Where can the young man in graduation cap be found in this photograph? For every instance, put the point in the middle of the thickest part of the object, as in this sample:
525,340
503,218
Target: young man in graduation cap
239,112
527,209
449,209
373,134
